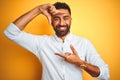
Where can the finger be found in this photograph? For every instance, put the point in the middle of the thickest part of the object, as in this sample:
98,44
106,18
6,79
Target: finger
73,50
67,54
57,12
61,55
48,5
44,9
49,20
48,17
52,10
52,7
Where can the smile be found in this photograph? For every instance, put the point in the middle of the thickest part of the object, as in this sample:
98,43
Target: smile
62,28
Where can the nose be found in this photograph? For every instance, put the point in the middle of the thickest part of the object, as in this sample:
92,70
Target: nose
62,22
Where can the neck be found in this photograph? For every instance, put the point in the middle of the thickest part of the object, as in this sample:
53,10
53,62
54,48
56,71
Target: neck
63,37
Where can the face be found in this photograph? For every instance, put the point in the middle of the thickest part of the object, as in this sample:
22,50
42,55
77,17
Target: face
61,22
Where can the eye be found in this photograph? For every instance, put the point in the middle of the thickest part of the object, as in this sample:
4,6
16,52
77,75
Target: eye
66,17
56,18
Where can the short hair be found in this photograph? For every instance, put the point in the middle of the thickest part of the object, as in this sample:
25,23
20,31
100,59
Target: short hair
62,5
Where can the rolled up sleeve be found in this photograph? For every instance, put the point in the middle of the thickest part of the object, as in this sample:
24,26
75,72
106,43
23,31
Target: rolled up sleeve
26,40
94,58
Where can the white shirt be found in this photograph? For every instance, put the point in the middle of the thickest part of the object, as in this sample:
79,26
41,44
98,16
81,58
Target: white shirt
54,67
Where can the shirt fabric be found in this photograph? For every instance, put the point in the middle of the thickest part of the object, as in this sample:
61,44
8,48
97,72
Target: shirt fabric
54,66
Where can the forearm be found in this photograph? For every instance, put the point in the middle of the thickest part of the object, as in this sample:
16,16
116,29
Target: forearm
94,71
23,20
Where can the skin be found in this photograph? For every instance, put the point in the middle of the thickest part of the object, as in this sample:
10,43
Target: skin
60,19
61,22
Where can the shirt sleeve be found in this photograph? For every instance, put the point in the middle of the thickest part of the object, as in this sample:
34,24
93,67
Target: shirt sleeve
94,58
26,40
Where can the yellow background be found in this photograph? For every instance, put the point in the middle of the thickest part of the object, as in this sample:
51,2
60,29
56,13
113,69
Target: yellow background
97,20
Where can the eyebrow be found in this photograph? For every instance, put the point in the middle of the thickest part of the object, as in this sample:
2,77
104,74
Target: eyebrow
55,16
66,16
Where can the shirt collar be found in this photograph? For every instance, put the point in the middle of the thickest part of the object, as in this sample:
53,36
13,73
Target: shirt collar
67,38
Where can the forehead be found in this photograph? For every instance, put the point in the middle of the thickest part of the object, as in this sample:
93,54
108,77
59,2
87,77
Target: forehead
62,12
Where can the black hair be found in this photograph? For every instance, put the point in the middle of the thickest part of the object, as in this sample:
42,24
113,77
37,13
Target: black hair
62,5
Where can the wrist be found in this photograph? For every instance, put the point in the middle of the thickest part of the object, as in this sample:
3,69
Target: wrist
38,9
82,64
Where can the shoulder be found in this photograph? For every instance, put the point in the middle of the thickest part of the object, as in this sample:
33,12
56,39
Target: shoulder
42,37
82,41
80,38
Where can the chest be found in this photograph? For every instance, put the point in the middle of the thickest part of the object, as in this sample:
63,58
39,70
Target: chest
49,48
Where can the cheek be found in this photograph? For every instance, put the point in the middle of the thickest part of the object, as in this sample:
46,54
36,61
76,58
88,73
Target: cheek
54,23
69,22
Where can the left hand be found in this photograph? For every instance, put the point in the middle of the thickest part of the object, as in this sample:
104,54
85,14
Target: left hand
71,57
48,10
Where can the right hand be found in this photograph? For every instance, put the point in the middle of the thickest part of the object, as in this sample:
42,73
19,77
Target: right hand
48,10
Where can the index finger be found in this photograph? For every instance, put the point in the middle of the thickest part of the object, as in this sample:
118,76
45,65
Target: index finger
61,55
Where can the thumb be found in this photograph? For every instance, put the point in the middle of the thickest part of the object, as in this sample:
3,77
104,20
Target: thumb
48,17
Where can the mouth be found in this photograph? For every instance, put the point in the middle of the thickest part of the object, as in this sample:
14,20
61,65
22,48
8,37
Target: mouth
62,28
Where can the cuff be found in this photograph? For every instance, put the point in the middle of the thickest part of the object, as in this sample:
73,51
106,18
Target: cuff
12,29
104,73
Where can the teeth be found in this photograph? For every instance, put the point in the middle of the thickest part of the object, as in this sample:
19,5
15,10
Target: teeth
62,28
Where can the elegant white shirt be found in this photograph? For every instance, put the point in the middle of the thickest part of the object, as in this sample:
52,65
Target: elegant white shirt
55,67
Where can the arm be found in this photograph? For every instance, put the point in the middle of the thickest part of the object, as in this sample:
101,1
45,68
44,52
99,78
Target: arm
94,58
14,30
74,59
96,68
23,20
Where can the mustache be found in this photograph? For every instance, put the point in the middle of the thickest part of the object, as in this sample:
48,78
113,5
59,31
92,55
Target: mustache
61,26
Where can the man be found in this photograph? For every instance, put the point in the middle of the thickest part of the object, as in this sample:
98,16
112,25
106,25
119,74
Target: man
63,55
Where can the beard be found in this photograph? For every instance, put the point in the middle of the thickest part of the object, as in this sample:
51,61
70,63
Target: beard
62,30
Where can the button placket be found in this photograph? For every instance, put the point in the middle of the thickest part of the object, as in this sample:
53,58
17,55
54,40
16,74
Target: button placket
63,62
65,47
